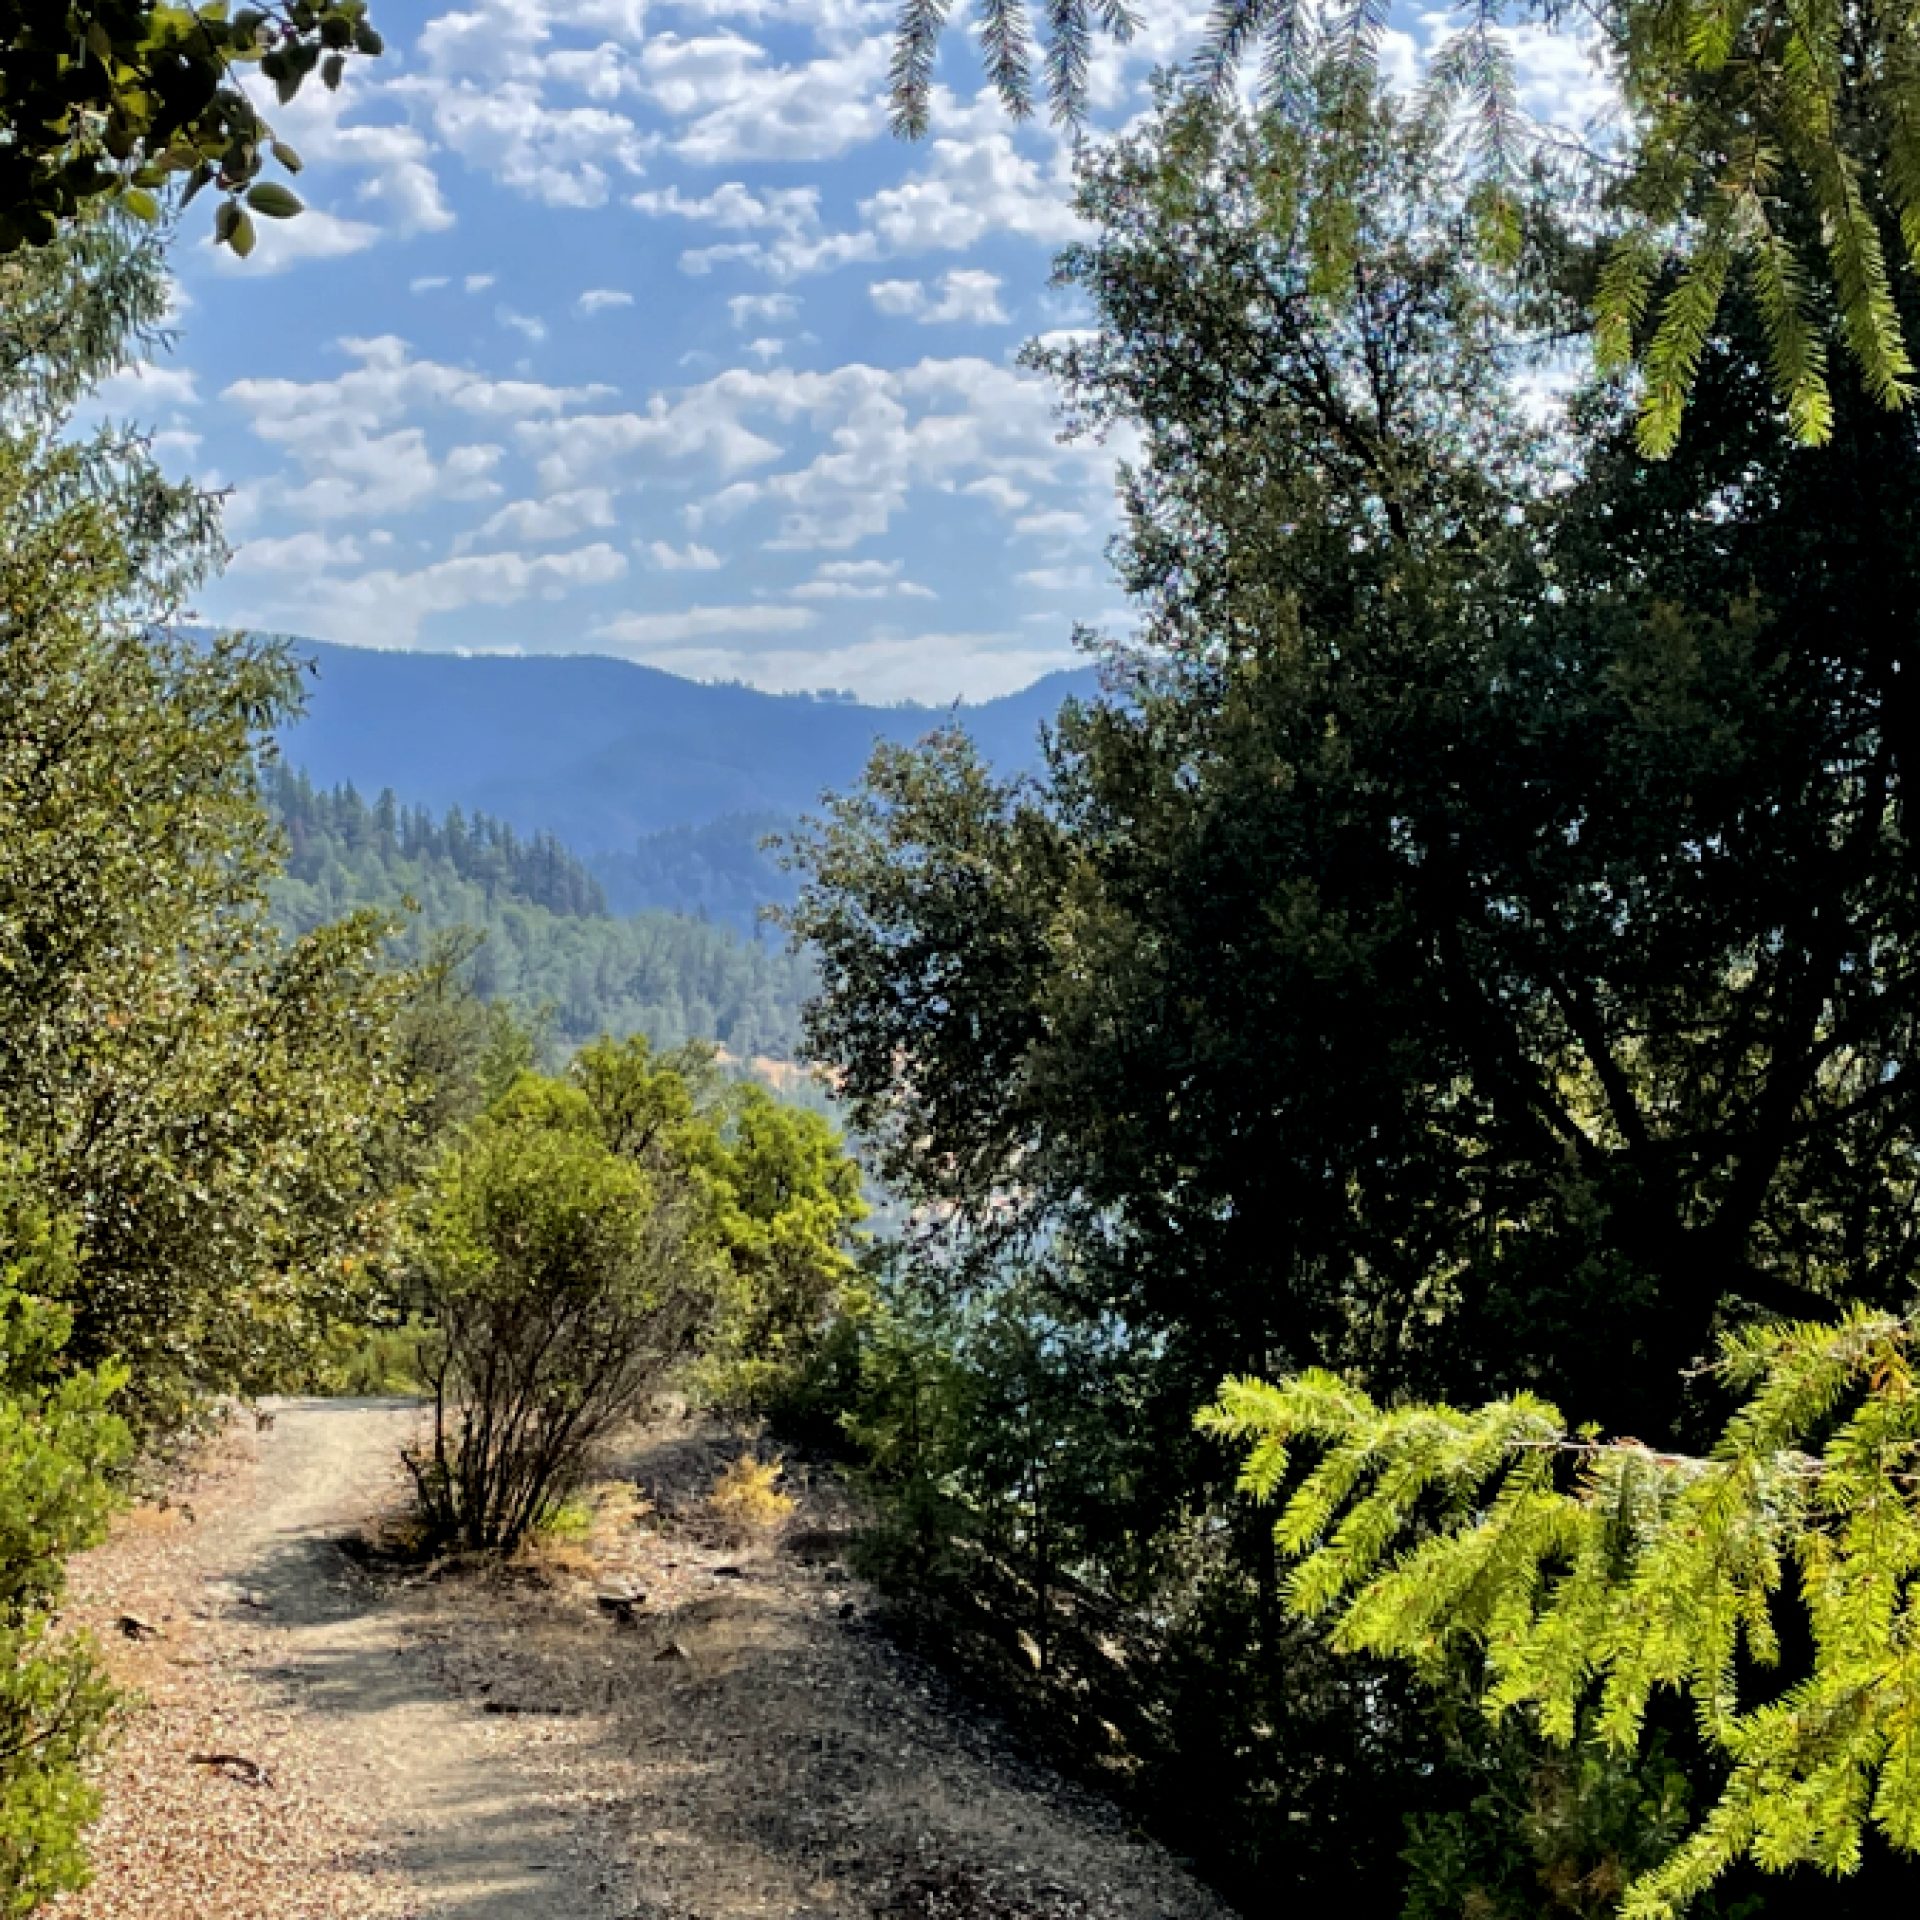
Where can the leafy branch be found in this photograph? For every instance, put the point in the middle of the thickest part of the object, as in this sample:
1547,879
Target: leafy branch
1590,1575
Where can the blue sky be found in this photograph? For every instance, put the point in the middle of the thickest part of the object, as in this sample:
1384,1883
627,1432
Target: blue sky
627,326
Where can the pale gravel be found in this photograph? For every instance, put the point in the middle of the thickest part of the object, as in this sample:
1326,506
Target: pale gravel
498,1748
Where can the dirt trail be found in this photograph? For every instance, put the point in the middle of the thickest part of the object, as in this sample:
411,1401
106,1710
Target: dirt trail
503,1750
466,1838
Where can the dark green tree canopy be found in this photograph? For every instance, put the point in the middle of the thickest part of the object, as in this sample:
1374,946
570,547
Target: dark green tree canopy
1470,947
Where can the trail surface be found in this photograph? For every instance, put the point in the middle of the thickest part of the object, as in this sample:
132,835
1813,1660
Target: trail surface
317,1742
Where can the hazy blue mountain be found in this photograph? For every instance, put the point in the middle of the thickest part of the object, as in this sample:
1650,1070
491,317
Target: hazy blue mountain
603,753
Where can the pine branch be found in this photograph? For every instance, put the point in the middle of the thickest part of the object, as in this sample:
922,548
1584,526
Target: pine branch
1587,1574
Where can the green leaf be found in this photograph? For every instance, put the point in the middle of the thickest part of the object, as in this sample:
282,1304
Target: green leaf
273,200
287,156
241,237
141,204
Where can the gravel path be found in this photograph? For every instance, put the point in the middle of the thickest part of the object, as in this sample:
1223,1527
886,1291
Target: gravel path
747,1744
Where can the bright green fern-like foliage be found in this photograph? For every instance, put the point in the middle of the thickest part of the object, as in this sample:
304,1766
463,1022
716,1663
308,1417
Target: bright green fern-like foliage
1587,1575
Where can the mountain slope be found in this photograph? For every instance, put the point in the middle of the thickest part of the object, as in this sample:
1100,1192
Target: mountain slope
551,946
602,752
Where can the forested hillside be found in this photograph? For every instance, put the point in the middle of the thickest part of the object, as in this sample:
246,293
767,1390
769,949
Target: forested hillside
603,752
723,870
552,947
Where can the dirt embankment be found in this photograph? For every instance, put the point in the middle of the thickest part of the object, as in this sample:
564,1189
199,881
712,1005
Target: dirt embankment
322,1739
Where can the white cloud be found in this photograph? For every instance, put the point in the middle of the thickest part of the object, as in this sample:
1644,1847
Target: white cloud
692,558
788,216
970,190
1053,523
740,106
967,296
476,283
640,631
859,580
524,324
700,428
789,257
382,385
350,447
302,553
428,283
601,300
762,309
398,181
884,432
1059,579
560,516
387,607
736,207
146,388
312,235
560,156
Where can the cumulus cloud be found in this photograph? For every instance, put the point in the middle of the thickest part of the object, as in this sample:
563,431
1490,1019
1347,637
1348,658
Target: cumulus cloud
1059,579
146,388
860,580
884,432
562,156
692,558
388,606
791,240
739,104
692,118
968,295
306,554
315,235
639,632
970,189
524,324
560,516
762,309
351,448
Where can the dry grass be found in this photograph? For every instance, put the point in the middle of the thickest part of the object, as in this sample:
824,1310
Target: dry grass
747,1500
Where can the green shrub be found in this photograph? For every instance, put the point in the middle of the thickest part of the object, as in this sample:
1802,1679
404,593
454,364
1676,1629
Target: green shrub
369,1362
58,1440
564,1281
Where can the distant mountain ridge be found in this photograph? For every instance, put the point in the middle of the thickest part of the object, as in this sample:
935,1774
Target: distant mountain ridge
603,753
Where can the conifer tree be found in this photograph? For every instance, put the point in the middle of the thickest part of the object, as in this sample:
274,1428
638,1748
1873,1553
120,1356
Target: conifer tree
1581,1576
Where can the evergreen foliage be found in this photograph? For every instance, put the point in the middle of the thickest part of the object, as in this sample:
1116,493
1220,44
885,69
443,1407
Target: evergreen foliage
562,1280
1575,1571
58,1443
408,841
220,1109
550,946
587,1235
1471,953
723,870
